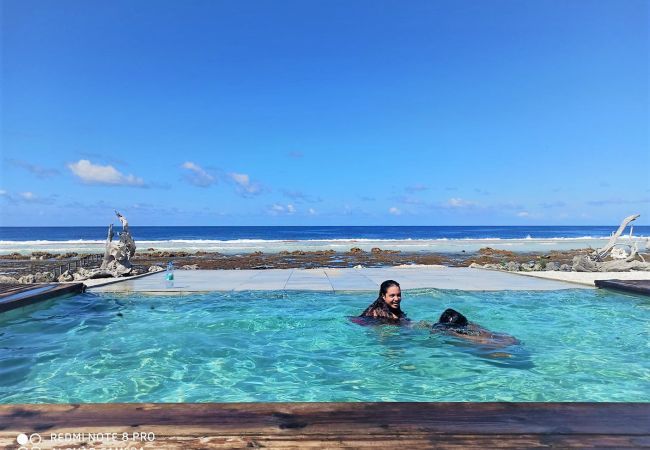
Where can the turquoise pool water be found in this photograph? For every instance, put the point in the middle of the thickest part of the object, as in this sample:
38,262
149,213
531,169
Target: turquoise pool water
577,345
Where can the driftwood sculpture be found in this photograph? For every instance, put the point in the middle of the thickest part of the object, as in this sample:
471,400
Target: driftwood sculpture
613,257
117,256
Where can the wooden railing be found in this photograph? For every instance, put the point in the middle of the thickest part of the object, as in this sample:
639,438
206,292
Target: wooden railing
71,264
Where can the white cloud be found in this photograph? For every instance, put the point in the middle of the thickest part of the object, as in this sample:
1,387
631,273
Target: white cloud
197,175
244,185
97,174
240,178
26,197
394,211
277,209
456,202
312,212
530,215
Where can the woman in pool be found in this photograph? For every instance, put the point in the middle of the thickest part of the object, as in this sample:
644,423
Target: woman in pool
455,324
387,306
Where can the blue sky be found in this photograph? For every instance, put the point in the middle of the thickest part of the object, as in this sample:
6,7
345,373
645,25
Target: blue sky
325,112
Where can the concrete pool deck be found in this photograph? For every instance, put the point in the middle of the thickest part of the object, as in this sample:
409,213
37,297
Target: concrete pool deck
587,278
333,279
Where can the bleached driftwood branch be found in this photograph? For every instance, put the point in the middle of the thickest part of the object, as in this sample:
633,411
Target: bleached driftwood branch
601,253
123,221
596,261
107,251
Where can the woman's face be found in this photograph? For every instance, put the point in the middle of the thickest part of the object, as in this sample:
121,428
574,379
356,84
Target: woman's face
393,297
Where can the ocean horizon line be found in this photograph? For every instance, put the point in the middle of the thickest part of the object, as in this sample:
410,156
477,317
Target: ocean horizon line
320,226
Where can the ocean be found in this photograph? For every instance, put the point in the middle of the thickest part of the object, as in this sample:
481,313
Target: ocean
240,239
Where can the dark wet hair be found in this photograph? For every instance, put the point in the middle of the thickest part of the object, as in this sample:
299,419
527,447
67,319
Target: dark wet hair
381,305
452,318
385,285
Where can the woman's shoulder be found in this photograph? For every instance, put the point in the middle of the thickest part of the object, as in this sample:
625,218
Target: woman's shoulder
380,313
380,319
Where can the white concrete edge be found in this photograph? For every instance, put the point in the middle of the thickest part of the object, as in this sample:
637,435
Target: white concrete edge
566,277
114,280
562,280
360,271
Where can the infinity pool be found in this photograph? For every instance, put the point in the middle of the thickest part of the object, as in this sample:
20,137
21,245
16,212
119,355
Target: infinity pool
576,345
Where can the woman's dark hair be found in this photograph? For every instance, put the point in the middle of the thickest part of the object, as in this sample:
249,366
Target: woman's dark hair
452,318
384,287
380,305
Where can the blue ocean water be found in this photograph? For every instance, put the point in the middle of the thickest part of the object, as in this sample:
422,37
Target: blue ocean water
165,233
576,345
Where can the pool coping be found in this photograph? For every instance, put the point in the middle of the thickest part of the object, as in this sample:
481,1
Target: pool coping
98,282
335,280
334,425
31,294
639,287
583,278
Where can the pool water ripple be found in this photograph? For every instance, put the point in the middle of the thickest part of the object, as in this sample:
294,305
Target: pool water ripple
577,345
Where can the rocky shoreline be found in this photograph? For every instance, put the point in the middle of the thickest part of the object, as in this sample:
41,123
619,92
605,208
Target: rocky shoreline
40,267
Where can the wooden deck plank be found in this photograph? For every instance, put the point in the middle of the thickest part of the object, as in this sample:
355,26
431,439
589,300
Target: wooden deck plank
7,289
14,296
339,425
634,286
333,440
